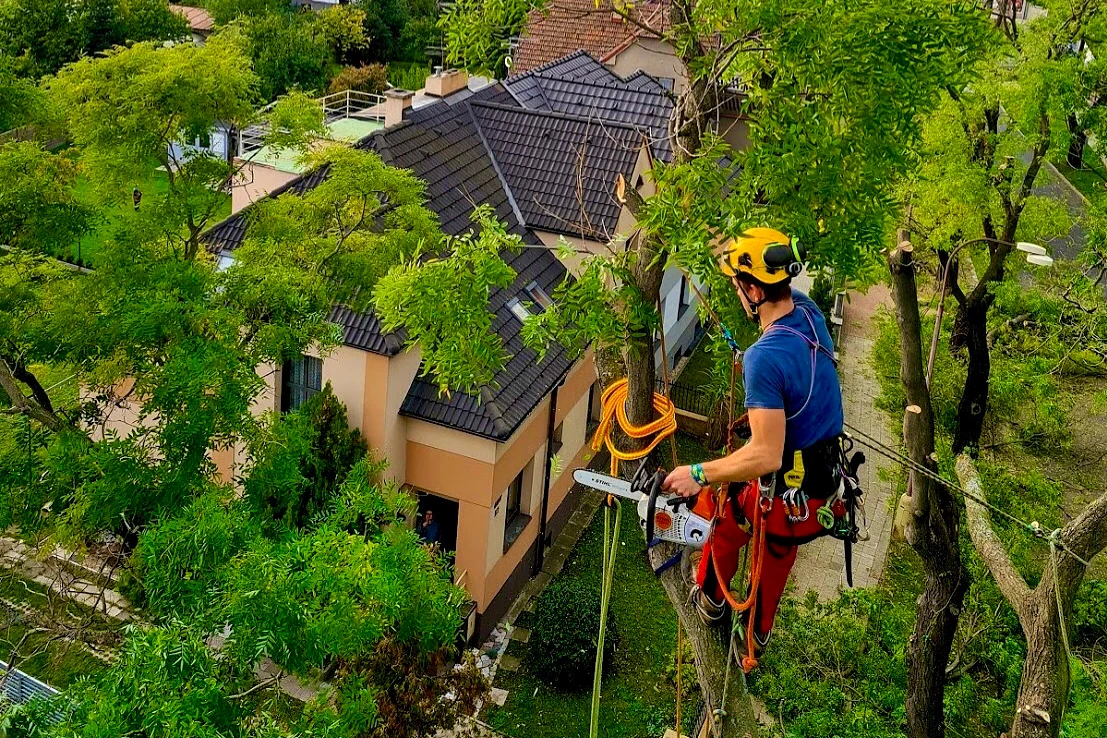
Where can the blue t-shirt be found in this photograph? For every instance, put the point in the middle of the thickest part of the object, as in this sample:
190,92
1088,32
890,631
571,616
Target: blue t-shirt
777,374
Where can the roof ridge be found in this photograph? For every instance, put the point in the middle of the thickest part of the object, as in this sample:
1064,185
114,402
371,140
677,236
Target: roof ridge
551,63
495,164
622,86
565,116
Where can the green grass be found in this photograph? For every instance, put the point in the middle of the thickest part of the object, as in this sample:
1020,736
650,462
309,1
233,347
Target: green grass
1090,181
60,663
700,367
113,213
639,695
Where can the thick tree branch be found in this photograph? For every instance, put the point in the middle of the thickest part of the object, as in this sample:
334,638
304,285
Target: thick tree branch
711,647
1014,588
28,406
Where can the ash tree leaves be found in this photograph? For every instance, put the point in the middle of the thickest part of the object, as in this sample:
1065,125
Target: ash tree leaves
439,296
342,236
38,209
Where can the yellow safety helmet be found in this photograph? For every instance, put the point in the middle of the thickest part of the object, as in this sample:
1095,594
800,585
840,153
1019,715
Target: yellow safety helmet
765,254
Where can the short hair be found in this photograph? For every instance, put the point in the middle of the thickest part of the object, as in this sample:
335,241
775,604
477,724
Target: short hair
773,292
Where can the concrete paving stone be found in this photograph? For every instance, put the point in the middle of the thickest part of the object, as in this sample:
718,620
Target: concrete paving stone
509,662
498,696
522,635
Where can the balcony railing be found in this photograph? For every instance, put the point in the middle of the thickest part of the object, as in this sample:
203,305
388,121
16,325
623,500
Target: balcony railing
337,107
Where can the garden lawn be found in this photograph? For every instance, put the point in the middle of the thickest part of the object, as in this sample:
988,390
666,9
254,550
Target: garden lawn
639,694
114,212
1091,181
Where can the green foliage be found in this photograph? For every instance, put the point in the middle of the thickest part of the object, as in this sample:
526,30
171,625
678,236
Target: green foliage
822,292
20,100
385,21
127,108
300,460
409,76
372,78
225,11
441,300
478,32
42,37
563,641
38,209
287,54
1090,611
1088,712
176,565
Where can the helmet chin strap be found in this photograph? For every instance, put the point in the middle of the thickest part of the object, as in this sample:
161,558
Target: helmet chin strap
753,306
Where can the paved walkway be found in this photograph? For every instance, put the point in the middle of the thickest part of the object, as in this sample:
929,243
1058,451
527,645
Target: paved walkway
820,565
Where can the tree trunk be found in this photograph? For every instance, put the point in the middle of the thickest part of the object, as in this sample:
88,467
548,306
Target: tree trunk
1044,688
933,532
972,328
1078,138
711,647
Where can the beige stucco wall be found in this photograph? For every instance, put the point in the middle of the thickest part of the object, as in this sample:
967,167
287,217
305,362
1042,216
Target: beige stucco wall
652,56
254,182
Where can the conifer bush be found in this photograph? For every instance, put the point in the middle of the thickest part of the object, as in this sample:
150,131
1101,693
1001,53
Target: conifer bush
562,646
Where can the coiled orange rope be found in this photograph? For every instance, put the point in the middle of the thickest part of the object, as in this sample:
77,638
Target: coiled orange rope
613,402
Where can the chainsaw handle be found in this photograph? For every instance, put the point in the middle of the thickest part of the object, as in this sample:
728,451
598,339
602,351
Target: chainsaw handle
651,505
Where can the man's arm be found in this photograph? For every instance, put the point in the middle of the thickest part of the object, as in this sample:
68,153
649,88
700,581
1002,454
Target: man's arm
762,455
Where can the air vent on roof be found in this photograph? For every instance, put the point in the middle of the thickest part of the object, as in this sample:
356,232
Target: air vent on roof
538,296
518,309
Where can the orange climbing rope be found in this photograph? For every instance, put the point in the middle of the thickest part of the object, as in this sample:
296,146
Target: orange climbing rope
613,402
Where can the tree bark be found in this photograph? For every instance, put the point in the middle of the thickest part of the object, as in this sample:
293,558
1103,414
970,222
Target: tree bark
1044,687
711,647
933,532
1078,138
972,321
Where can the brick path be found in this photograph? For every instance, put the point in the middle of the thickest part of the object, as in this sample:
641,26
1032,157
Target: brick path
820,565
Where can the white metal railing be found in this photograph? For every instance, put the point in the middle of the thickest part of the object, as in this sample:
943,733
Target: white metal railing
20,687
336,106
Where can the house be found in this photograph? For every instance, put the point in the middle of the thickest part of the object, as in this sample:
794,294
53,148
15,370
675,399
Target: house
199,22
625,47
544,150
565,26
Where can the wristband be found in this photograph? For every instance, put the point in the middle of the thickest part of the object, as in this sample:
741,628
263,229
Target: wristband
698,475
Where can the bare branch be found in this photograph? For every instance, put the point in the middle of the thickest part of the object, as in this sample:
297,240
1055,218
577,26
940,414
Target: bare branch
987,543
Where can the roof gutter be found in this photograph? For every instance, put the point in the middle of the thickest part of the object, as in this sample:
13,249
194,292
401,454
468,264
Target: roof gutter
551,425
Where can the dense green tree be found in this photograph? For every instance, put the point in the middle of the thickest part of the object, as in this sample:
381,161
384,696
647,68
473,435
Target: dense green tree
43,37
478,32
225,11
287,54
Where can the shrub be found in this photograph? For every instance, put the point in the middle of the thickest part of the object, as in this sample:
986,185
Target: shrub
822,293
562,649
372,78
408,76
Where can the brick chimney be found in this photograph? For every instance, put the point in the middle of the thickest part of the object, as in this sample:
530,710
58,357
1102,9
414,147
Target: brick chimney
446,82
395,103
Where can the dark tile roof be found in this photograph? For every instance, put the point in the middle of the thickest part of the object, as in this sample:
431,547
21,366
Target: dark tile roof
640,100
514,146
560,169
520,386
569,25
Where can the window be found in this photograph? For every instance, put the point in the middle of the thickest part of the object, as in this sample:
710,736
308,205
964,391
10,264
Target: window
682,304
556,442
518,309
204,140
300,379
514,521
538,296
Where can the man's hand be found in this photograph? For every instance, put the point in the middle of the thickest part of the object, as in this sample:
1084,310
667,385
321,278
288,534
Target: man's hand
680,482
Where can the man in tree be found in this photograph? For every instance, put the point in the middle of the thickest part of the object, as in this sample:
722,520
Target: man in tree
794,407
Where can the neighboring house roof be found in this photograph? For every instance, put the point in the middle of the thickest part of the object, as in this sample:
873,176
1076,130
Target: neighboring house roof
551,168
199,20
568,25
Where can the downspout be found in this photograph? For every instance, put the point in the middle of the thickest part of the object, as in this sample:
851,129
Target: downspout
539,554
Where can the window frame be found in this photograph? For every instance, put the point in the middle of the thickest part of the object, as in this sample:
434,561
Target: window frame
295,394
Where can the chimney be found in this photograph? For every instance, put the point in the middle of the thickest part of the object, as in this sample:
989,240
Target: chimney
446,82
395,103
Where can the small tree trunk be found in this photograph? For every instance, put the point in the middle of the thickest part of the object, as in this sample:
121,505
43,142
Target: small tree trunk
972,321
1078,138
934,529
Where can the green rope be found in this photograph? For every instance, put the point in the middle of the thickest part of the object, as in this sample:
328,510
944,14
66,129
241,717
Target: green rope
610,549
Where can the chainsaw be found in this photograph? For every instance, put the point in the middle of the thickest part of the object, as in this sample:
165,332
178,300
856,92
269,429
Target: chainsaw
666,522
